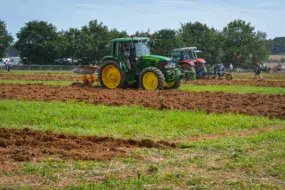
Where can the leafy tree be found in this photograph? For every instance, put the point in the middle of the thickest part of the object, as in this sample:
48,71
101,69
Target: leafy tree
114,33
5,38
73,42
38,43
260,47
278,45
243,45
98,38
165,41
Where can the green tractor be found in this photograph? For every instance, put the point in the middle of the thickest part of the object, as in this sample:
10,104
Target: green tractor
139,67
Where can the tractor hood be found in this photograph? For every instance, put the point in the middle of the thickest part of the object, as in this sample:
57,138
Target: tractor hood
188,62
157,58
200,60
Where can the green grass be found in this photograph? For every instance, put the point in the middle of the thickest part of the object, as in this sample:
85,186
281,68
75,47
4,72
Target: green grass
253,162
240,89
124,122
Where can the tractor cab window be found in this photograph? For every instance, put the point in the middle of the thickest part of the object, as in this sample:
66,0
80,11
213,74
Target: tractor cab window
117,49
176,56
186,55
141,49
194,55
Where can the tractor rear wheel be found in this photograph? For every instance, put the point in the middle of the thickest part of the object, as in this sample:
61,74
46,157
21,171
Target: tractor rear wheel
111,75
151,78
187,68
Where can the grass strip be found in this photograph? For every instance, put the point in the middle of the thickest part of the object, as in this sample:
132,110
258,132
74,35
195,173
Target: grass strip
124,122
240,89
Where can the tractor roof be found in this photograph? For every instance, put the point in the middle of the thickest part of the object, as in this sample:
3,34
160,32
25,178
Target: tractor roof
185,48
130,39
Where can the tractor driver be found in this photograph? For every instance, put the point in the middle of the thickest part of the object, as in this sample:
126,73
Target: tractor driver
126,55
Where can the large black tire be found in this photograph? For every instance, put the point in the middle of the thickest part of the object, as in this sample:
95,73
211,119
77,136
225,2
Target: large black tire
158,74
189,68
116,64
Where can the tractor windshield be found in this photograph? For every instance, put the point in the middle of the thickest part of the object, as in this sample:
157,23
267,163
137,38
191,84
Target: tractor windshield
141,49
194,55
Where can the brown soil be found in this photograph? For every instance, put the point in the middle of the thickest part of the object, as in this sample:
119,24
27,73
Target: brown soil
64,77
30,145
40,77
251,104
265,76
239,82
35,146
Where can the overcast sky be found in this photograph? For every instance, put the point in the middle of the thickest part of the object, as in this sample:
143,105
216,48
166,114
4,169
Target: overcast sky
136,15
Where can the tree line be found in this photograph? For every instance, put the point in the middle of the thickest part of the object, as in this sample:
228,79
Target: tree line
41,43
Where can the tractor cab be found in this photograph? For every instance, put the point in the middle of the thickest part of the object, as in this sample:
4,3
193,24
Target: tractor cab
188,60
187,54
137,47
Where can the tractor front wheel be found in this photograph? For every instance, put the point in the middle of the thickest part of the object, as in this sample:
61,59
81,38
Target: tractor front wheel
173,85
111,75
187,68
151,78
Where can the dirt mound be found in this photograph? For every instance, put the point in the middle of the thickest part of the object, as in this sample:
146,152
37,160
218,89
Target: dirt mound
27,145
40,77
239,82
251,104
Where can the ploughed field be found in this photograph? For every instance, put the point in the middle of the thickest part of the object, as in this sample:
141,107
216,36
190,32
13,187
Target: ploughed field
219,135
251,104
274,80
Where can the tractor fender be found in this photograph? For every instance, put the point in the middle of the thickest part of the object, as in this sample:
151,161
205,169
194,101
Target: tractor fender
122,65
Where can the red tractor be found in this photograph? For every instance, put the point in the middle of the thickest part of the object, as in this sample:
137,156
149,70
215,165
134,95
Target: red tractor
189,62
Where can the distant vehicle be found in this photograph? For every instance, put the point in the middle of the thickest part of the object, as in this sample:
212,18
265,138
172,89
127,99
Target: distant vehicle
188,60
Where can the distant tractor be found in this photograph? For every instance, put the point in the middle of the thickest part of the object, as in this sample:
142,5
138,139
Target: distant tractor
195,68
189,62
137,66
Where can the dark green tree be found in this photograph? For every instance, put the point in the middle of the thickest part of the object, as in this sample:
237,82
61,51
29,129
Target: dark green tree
98,38
261,47
164,41
114,33
5,38
73,43
243,45
38,43
278,45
